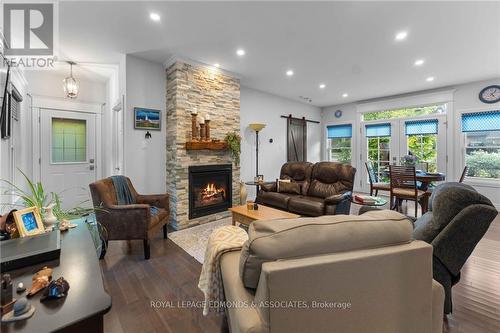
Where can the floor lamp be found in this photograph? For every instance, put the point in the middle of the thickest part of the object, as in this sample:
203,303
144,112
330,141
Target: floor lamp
257,127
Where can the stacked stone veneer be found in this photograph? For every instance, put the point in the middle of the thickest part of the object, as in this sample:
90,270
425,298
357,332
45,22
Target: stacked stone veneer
210,92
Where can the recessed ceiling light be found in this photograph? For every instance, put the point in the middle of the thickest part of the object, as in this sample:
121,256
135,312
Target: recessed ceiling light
155,17
345,95
240,52
419,62
322,86
289,72
430,79
401,35
216,65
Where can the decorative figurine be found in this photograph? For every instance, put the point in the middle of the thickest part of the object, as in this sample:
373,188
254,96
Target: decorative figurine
49,219
40,280
56,289
22,309
65,225
20,288
6,294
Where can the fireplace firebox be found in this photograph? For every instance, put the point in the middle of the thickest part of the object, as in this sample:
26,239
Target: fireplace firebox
210,189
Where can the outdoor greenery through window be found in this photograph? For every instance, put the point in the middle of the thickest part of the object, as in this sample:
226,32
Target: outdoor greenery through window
340,150
380,156
424,147
482,154
405,112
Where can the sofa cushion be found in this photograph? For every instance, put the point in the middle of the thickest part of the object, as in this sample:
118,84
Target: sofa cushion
304,205
295,238
289,187
274,199
329,178
448,200
299,172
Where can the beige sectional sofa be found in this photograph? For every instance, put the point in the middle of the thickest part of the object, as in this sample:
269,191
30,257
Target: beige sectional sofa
333,274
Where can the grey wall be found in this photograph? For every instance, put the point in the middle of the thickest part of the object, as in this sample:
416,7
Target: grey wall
144,159
260,107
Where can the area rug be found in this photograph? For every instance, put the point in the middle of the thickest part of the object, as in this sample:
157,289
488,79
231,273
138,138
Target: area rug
194,240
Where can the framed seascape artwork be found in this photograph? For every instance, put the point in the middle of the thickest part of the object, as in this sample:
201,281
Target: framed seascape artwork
147,119
29,222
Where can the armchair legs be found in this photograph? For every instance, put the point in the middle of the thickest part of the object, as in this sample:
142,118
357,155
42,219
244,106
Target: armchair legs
165,232
146,249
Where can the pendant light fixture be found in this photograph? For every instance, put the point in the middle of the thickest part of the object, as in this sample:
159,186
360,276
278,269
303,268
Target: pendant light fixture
70,84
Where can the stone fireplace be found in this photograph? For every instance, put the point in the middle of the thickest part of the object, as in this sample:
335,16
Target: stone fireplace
209,92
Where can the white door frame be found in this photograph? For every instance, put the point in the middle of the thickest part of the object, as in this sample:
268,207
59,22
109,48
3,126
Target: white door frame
59,104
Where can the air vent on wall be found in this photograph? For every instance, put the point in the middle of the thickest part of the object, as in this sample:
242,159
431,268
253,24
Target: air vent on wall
306,99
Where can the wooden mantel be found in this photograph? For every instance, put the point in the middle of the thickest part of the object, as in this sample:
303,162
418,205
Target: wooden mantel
209,145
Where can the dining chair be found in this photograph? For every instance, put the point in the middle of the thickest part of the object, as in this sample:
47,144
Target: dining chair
375,185
403,186
464,173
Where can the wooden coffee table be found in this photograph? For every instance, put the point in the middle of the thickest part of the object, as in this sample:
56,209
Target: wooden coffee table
244,216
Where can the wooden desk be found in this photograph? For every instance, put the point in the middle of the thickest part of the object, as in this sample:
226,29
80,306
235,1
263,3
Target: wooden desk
86,303
245,216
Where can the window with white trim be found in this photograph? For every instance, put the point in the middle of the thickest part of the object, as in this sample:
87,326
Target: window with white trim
482,144
340,143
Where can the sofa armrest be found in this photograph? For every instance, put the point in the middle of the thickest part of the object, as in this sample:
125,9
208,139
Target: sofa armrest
157,200
337,198
268,187
437,307
454,244
125,221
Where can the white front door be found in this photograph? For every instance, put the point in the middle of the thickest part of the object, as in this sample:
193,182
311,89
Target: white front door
68,155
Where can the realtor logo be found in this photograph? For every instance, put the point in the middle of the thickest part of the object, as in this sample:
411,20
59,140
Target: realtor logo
28,29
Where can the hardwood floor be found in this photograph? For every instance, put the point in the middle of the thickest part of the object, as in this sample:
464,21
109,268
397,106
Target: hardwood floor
172,275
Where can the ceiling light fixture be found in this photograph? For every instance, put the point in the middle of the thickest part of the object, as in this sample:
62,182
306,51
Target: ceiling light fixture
216,65
70,84
322,86
289,72
430,79
419,62
345,95
154,17
240,52
401,35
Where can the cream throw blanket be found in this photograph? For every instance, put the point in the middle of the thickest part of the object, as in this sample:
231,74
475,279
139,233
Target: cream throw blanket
222,240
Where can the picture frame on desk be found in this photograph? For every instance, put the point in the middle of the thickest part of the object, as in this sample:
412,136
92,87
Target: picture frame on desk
29,222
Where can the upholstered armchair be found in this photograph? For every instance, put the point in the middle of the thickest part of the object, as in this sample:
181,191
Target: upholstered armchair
457,219
130,222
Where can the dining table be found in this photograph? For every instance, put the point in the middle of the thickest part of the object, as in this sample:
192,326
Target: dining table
426,179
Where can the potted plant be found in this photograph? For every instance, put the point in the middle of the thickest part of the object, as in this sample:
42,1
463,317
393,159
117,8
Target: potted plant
233,141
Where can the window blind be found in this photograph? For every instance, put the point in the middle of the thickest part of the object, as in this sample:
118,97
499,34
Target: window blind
481,121
375,130
340,131
428,126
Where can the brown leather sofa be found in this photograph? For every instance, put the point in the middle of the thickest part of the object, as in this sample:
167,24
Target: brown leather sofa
129,222
325,188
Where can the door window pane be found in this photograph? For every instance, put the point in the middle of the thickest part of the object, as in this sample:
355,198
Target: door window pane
69,140
424,147
380,156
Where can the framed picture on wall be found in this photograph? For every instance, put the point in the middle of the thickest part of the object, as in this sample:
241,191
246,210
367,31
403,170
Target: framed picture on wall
147,119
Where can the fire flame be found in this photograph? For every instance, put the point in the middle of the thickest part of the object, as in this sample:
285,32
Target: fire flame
211,190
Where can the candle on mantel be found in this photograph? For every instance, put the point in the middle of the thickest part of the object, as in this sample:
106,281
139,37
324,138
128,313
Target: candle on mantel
201,120
195,111
207,117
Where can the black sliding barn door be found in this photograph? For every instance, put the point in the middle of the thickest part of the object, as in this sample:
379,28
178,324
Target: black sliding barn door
296,140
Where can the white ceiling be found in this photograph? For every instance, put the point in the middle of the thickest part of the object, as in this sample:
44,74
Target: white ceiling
348,46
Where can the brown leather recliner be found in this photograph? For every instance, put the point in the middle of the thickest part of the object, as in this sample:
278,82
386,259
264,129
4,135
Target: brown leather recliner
129,222
325,189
